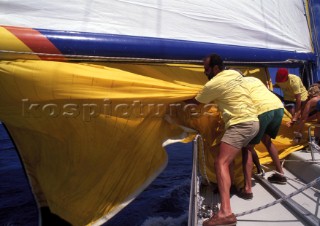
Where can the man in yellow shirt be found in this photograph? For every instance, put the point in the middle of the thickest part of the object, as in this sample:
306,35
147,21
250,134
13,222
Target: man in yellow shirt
241,124
270,112
294,92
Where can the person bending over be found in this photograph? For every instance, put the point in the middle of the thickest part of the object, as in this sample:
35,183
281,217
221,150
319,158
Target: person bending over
241,125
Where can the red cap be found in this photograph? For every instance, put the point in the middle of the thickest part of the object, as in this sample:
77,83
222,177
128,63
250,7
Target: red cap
282,75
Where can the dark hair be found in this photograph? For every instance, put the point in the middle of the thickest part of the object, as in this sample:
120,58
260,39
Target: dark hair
215,59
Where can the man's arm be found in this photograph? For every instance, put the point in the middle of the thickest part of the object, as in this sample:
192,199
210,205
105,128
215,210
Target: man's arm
297,110
305,114
311,103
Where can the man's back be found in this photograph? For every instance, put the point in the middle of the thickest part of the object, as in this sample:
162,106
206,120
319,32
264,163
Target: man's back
232,99
263,99
291,87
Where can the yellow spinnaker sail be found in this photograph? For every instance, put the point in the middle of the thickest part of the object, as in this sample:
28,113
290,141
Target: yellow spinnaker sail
90,134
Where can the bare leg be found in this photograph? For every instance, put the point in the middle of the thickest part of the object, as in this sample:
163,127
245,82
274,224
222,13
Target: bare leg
226,155
273,152
231,170
255,160
247,166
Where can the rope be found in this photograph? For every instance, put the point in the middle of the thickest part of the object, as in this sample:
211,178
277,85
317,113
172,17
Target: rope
102,58
312,183
299,182
134,59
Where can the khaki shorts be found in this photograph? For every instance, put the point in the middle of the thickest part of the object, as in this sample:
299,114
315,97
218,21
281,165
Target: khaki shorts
239,135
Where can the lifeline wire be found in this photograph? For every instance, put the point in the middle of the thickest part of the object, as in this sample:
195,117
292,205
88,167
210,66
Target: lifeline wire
312,183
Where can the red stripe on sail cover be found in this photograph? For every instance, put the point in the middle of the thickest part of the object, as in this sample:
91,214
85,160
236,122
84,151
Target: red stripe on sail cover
37,42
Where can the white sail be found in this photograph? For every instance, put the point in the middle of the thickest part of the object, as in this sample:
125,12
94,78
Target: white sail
272,24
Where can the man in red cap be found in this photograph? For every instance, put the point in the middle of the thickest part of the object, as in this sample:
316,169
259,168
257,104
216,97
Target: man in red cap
294,92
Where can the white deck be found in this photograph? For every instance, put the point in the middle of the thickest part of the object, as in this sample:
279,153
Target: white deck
278,214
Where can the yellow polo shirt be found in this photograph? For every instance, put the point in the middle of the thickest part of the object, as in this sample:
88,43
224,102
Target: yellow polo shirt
292,87
263,99
232,99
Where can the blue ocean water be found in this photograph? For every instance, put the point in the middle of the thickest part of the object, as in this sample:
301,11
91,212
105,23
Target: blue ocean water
164,203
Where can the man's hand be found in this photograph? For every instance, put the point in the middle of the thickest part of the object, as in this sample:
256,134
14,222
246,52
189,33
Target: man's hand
291,123
297,137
